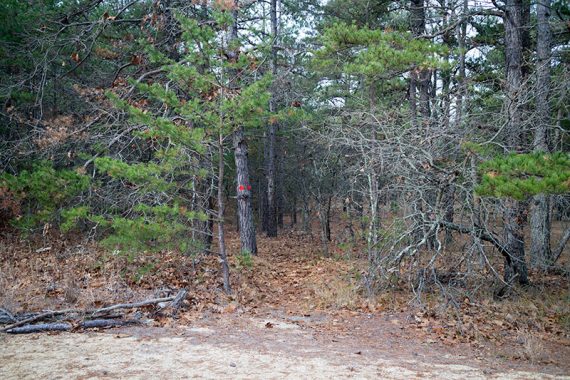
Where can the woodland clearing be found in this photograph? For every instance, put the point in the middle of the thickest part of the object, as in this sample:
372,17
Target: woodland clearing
299,316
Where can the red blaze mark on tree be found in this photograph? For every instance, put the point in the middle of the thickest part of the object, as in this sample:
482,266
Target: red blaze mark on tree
249,187
241,188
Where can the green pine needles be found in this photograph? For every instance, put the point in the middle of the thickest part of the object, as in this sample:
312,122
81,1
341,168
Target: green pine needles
376,53
42,192
520,176
160,182
179,118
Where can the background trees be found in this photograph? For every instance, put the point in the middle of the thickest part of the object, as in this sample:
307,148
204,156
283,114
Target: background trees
411,124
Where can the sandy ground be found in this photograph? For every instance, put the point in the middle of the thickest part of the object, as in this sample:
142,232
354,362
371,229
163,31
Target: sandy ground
236,348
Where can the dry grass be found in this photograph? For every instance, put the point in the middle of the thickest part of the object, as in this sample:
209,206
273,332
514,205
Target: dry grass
338,293
531,347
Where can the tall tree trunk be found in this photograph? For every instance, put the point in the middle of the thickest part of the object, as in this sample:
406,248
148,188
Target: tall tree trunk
417,24
245,210
448,202
244,198
294,210
209,225
372,179
448,199
280,194
221,234
462,72
322,213
540,213
328,218
422,77
263,193
271,135
514,216
306,214
445,74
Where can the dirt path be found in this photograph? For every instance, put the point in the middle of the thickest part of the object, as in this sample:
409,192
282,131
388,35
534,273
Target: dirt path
234,347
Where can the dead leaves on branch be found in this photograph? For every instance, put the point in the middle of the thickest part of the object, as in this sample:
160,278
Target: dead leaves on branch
224,5
58,130
106,17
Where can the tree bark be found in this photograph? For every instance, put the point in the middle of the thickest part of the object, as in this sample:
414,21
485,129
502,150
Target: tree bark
540,223
417,24
294,211
221,233
462,72
244,198
514,216
423,77
279,180
245,210
271,133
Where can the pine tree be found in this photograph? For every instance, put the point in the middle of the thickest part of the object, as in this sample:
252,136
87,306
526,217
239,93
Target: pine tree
178,120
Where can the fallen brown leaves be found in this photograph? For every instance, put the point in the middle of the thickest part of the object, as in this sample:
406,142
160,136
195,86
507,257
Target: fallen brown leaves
290,275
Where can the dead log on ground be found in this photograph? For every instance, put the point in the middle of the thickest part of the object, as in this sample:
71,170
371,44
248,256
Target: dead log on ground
40,327
104,323
98,312
66,326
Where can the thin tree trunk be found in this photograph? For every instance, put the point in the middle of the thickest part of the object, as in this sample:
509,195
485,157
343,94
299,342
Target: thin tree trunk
445,75
412,98
270,172
417,22
448,202
328,219
422,78
294,211
540,214
323,220
373,190
462,72
221,234
209,225
306,215
279,193
263,199
271,135
448,198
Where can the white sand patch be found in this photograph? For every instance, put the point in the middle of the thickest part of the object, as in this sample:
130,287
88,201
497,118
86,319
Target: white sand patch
107,356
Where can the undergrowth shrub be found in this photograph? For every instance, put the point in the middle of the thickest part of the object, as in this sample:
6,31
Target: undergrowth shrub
38,194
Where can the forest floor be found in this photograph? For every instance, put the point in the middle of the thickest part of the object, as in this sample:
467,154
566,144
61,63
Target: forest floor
293,314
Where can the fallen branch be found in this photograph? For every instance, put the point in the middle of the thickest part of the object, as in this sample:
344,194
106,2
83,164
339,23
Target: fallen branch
66,326
102,323
27,329
132,305
6,316
40,317
558,251
177,302
96,312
